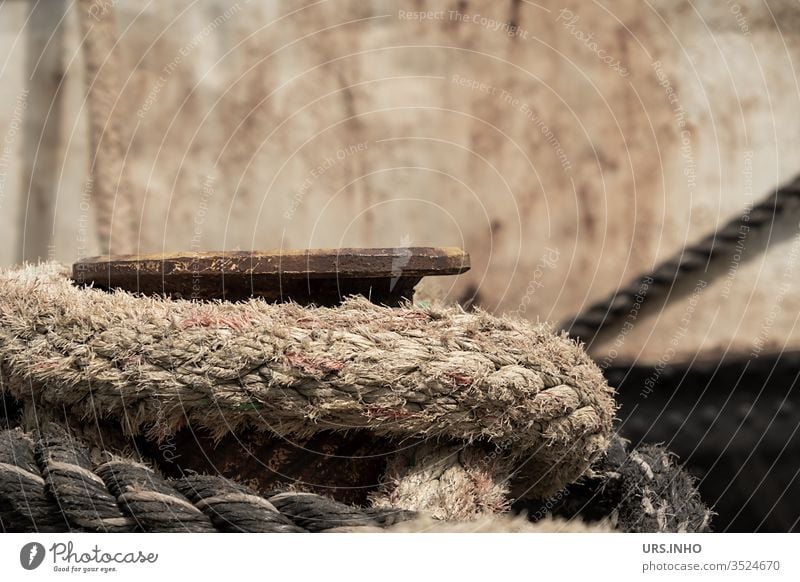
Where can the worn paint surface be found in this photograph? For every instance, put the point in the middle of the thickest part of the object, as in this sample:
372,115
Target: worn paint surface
563,163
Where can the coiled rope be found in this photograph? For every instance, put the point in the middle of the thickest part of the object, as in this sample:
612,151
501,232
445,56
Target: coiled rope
439,375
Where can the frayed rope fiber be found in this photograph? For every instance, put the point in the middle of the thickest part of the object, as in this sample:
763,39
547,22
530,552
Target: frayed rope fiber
156,364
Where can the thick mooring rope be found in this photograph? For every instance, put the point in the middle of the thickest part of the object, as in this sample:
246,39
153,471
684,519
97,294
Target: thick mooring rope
648,286
533,399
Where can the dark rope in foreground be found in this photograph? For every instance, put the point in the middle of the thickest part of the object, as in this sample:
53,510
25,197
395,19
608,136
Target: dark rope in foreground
233,507
50,485
80,494
616,307
24,506
150,501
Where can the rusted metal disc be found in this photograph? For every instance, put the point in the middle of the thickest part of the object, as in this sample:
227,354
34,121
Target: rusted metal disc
316,276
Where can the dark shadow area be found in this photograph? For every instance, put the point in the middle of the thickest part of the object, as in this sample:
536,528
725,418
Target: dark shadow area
733,422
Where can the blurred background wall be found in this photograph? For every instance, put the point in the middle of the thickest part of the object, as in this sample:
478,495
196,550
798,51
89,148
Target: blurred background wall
566,145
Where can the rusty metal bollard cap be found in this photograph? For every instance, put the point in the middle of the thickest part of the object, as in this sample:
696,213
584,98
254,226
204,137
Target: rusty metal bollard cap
316,276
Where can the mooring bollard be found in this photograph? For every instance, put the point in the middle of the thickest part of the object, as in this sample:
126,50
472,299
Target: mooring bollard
345,465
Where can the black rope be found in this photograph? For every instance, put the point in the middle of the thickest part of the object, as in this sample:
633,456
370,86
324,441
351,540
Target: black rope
80,494
52,486
233,507
316,513
617,306
150,501
24,506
